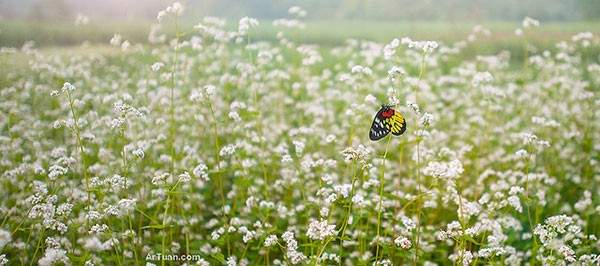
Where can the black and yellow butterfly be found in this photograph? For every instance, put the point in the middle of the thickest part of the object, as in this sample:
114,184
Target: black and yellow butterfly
386,120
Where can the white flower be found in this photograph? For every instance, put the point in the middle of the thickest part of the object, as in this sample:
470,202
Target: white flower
55,171
116,39
482,78
330,138
413,106
227,150
4,238
523,154
529,22
320,230
81,20
270,240
67,87
396,72
359,154
451,170
245,24
185,177
196,96
157,66
429,46
390,49
210,90
426,119
403,242
296,10
518,32
138,153
160,179
235,116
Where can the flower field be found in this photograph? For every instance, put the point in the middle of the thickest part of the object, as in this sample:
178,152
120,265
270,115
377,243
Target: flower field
204,146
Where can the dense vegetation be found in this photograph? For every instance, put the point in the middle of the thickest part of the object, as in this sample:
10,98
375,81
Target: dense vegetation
209,145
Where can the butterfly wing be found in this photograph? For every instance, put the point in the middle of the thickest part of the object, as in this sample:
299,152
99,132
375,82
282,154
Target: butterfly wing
379,128
397,124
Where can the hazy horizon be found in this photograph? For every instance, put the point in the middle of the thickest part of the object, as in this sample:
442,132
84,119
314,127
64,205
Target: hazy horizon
455,10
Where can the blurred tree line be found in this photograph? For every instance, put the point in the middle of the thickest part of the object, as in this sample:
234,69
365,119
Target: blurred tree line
447,10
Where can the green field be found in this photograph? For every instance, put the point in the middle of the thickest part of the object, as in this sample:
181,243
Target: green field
228,146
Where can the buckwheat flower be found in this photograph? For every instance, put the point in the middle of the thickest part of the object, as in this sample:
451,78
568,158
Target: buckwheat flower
235,116
515,202
451,170
55,171
160,179
54,93
64,209
518,32
559,222
430,46
361,70
127,204
3,260
245,24
396,72
296,10
299,146
584,203
201,171
426,119
330,138
543,144
344,189
210,90
185,177
286,158
138,153
228,149
231,261
403,242
529,22
270,240
117,122
97,229
545,234
528,138
157,66
523,154
413,106
4,238
328,179
359,200
160,16
568,253
196,96
359,154
177,8
408,42
81,20
320,230
482,78
67,87
390,49
52,256
125,45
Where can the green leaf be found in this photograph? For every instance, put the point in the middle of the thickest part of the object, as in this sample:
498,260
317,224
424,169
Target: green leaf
219,257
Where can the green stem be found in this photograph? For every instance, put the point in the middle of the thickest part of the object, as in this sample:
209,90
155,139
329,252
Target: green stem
381,183
345,224
83,156
219,175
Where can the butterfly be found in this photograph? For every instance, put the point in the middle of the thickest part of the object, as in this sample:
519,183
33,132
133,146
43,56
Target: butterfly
386,120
